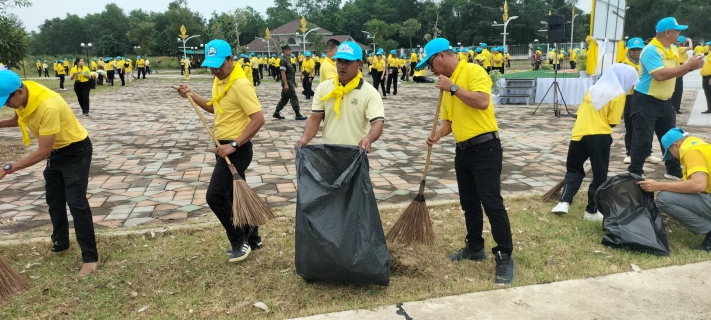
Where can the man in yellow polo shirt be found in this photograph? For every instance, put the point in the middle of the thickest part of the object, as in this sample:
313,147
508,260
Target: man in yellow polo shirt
706,80
238,118
38,66
66,65
393,69
687,201
652,109
65,146
468,112
328,66
591,138
61,73
141,67
487,57
413,63
307,74
350,108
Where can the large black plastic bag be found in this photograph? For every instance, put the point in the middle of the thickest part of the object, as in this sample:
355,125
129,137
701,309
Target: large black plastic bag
632,219
339,236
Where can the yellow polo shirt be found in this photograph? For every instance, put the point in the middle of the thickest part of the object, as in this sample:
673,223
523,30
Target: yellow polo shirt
110,65
413,58
308,65
706,69
66,64
52,117
140,63
238,104
254,63
328,69
468,122
487,57
60,69
593,122
651,60
500,62
573,56
248,72
695,156
393,62
379,64
83,76
419,73
682,55
359,108
93,65
38,65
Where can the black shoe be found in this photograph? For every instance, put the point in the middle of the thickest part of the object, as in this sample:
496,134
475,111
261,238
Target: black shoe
706,112
678,112
240,253
57,249
505,269
466,254
253,246
705,245
299,117
276,115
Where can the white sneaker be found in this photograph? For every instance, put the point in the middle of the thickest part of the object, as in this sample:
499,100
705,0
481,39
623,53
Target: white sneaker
671,177
597,216
653,159
628,160
561,208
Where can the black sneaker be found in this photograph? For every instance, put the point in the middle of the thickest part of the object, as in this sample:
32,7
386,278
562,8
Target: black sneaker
253,246
466,254
505,269
276,115
57,249
299,117
705,245
240,253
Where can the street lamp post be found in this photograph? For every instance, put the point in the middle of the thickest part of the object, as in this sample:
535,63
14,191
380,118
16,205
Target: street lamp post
304,41
572,29
269,51
505,24
370,36
87,48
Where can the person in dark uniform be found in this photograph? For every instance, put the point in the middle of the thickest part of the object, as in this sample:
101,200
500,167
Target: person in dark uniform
288,80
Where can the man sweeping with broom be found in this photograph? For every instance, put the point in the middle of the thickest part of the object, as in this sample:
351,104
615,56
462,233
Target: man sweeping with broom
238,117
468,112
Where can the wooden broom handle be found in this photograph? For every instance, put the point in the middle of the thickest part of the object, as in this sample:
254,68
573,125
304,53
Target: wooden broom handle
434,130
207,127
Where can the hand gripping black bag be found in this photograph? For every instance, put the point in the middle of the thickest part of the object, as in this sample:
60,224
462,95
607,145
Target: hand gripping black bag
632,219
339,236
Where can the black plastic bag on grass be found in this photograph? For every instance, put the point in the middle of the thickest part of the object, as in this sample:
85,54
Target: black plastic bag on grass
339,236
632,219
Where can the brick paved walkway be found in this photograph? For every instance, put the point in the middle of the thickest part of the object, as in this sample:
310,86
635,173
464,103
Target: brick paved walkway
152,158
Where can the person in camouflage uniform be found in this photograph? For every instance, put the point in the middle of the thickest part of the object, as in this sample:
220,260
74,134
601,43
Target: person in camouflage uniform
288,79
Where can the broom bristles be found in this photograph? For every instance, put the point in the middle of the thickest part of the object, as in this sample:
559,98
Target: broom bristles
11,282
414,225
553,192
248,208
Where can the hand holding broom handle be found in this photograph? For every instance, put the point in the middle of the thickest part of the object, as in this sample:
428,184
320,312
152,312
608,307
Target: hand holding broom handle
217,142
429,148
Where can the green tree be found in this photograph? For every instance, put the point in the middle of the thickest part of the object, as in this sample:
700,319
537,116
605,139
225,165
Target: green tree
7,4
281,13
380,30
142,34
107,46
14,44
409,29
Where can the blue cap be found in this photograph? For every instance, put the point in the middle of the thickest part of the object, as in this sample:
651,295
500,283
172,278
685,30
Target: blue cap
349,51
669,23
433,47
235,57
478,50
483,44
55,60
307,54
538,48
9,83
215,53
62,61
251,54
138,57
323,54
708,43
404,56
577,50
393,52
454,50
682,39
259,55
380,51
38,60
273,55
635,43
668,139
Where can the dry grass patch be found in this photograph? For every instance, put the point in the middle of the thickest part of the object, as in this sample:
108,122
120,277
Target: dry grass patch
185,273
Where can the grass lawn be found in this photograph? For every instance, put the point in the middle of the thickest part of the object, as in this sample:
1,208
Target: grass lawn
185,274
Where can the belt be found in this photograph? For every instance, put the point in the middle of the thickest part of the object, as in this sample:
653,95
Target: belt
477,140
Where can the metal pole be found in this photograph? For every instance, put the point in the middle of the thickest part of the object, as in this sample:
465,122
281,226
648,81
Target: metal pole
572,29
505,25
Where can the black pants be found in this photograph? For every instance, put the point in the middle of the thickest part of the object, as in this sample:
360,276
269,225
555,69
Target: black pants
289,96
392,80
597,149
413,65
46,73
307,85
629,127
317,71
650,115
508,63
101,79
488,69
499,69
572,64
61,81
82,90
678,92
122,76
39,72
182,69
403,70
261,73
220,190
420,79
377,82
255,75
707,90
110,77
67,178
141,70
478,171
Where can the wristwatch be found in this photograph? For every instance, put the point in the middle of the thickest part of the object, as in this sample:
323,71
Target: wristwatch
7,168
234,144
453,89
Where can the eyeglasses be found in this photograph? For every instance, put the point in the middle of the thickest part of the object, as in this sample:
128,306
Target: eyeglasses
429,62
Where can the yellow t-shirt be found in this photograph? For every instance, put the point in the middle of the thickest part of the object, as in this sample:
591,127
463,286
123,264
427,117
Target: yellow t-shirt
359,108
140,63
60,69
66,63
419,73
52,117
293,60
706,70
271,61
84,75
328,69
316,59
498,60
301,58
695,156
508,57
413,57
468,122
238,104
682,54
277,62
129,68
93,66
308,65
379,64
487,58
393,62
38,65
110,65
248,72
593,122
636,66
254,63
403,62
573,56
480,57
698,50
651,60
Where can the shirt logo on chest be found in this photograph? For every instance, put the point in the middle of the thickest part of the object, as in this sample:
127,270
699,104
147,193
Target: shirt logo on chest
354,101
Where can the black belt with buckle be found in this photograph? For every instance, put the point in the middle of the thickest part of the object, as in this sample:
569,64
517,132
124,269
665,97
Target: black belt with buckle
477,140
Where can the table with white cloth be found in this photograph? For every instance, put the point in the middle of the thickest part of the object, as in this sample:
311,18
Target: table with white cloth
573,89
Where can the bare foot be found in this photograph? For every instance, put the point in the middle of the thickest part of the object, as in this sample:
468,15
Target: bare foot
88,268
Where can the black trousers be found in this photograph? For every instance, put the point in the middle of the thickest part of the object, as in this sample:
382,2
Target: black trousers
307,85
597,149
317,71
707,90
67,178
122,76
39,72
413,65
650,115
255,75
629,127
46,73
678,92
289,96
420,79
403,70
377,81
220,190
82,90
182,69
101,79
478,171
572,64
261,73
110,77
61,81
141,70
508,63
392,80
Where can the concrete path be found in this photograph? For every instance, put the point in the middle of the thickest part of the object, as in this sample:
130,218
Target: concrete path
680,292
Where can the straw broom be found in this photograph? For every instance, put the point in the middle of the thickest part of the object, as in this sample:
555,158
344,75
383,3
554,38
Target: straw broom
248,208
11,283
415,225
552,194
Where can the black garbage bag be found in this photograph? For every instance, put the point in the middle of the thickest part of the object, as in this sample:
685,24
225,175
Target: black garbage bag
632,219
339,236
